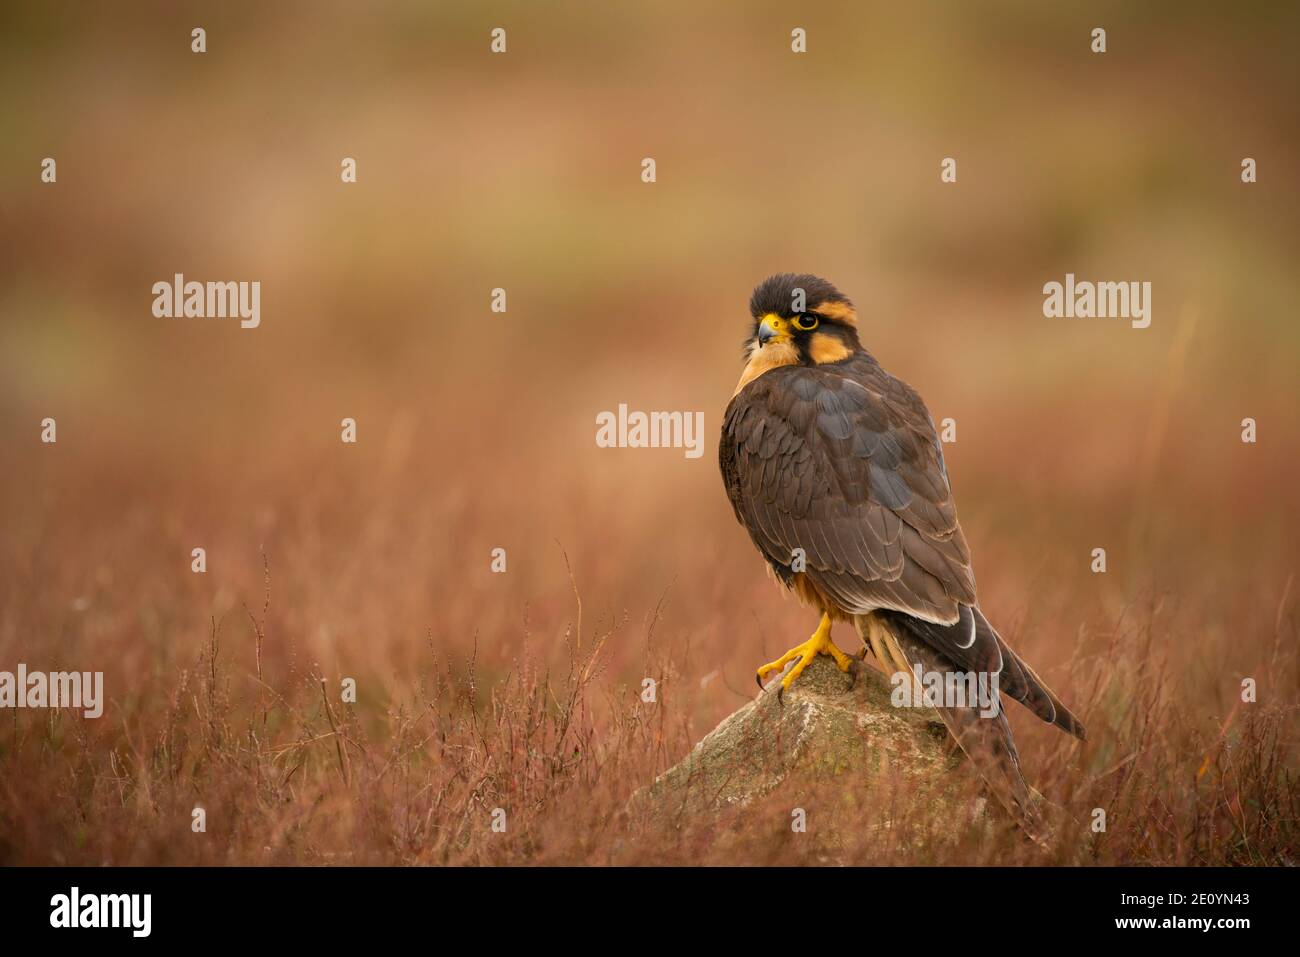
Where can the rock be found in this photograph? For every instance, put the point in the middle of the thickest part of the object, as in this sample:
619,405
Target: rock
830,733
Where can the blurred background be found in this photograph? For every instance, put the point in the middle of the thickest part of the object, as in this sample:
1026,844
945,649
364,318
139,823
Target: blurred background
522,171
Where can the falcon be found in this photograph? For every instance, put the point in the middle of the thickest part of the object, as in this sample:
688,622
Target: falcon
833,467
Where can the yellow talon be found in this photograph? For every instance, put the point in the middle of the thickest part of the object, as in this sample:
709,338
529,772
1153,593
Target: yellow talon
819,644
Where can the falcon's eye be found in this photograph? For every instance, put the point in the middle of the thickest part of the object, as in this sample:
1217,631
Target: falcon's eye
805,322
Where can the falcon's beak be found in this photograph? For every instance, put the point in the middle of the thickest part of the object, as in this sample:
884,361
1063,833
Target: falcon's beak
772,329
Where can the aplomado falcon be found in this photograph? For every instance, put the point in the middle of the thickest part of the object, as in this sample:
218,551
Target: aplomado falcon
834,468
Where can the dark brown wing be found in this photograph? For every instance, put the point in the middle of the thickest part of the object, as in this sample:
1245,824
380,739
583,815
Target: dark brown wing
842,461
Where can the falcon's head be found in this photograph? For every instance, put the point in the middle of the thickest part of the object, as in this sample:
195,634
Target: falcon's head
800,318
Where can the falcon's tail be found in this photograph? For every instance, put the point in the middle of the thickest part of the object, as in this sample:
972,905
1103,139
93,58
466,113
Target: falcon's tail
972,644
986,740
1021,682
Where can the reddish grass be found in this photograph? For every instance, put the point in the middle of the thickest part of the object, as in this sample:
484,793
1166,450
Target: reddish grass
481,691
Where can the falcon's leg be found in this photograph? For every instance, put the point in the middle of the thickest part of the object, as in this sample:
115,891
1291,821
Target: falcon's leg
873,633
819,644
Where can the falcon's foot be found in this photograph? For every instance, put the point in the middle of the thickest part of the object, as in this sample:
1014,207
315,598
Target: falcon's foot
819,644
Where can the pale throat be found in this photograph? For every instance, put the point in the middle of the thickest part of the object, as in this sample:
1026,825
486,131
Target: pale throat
765,359
821,349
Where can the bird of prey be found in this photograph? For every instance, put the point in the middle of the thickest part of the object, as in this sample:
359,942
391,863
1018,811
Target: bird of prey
833,467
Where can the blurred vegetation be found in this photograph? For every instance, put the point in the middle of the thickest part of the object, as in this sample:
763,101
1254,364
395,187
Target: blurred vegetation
522,171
